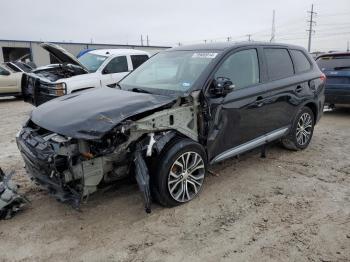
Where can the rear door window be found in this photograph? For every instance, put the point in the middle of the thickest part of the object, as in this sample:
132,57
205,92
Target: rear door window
138,60
301,63
334,62
116,65
279,63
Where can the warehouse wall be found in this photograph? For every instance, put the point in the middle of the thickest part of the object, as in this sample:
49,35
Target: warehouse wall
42,57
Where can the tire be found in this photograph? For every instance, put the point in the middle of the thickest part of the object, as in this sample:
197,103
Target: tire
167,185
302,130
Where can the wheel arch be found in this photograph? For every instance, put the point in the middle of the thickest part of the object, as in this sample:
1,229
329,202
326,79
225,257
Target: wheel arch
313,108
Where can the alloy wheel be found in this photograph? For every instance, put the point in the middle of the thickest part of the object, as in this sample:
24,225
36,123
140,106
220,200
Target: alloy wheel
186,176
304,129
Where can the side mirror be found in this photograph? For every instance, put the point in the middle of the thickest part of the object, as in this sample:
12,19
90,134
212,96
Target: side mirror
105,71
221,86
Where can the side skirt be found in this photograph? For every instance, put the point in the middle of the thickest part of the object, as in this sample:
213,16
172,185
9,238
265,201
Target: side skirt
251,144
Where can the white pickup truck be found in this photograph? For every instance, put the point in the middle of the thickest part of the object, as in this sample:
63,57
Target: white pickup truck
97,68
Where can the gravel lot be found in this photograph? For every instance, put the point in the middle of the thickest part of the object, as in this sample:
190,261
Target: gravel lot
291,206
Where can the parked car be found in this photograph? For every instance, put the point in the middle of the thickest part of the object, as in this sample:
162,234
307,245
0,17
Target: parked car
10,78
96,68
181,111
336,67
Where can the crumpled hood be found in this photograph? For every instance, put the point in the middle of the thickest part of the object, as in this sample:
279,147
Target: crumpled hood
90,114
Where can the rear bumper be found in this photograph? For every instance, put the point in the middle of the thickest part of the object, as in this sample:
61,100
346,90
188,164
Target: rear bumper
336,95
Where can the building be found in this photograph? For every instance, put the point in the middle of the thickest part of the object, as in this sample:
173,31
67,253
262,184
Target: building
11,50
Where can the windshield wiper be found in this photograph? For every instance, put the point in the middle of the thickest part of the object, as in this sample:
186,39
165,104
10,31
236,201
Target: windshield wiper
140,90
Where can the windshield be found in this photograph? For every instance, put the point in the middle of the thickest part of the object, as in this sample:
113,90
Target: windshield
173,71
331,62
91,61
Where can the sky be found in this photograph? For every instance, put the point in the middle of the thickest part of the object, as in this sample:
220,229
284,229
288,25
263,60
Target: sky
170,23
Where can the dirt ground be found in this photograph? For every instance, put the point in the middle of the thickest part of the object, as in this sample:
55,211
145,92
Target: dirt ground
291,206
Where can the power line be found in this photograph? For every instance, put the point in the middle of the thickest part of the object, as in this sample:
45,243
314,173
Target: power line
311,23
336,14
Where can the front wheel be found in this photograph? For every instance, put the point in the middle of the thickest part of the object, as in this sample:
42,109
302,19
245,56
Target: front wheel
301,131
180,173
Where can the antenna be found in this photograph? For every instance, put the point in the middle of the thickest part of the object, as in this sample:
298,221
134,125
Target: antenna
273,30
311,24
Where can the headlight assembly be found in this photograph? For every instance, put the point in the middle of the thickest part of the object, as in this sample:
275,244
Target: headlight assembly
58,89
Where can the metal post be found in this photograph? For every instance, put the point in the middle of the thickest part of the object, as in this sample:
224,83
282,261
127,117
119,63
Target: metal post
310,30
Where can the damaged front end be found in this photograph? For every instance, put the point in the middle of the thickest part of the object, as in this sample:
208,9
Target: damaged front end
73,168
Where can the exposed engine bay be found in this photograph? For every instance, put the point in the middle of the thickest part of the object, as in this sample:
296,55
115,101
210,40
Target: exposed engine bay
58,71
72,168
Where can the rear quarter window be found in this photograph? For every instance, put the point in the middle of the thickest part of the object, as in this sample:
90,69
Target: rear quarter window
279,63
301,63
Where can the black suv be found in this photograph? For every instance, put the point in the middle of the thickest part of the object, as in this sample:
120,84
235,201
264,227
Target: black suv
182,110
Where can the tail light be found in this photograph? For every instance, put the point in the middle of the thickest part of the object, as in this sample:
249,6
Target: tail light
323,77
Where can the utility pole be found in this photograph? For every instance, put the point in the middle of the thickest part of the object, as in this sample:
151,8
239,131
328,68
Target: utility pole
205,41
228,39
249,37
147,40
273,30
347,49
311,24
141,40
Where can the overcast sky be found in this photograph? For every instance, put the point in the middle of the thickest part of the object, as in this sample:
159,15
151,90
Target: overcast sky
168,22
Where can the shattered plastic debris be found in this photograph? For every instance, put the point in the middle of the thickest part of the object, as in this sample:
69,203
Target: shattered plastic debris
10,201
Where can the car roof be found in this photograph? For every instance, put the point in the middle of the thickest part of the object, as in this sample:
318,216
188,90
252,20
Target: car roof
110,52
230,45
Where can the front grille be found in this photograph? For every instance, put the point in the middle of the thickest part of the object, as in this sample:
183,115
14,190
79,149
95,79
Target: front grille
40,152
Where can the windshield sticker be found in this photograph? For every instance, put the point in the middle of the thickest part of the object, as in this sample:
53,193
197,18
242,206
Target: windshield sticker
204,55
186,84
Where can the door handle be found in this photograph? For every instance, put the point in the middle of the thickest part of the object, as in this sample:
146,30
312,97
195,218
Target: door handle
298,89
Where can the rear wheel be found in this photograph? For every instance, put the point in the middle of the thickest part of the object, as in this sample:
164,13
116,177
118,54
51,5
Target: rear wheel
180,172
302,130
